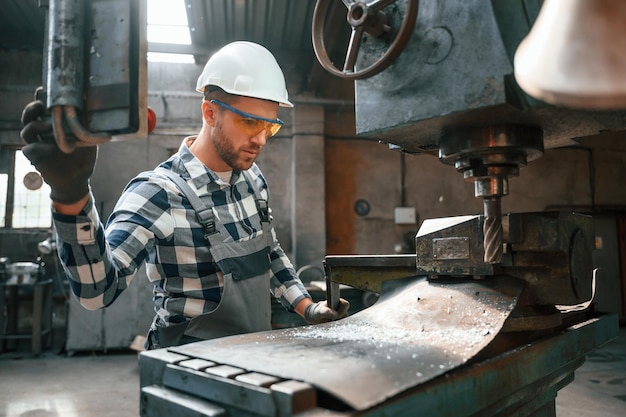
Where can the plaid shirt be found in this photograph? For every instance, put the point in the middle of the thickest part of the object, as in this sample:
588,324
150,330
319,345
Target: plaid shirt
152,222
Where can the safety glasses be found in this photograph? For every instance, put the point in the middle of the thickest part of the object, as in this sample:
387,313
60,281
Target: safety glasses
252,124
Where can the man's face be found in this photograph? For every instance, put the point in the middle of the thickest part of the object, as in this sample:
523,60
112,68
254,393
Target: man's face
237,140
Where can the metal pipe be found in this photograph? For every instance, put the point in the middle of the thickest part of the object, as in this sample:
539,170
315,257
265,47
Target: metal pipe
64,73
59,133
83,136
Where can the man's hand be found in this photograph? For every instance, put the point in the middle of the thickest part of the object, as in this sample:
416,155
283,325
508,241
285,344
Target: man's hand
319,312
67,174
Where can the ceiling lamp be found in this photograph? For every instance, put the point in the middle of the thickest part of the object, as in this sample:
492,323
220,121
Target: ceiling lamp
575,55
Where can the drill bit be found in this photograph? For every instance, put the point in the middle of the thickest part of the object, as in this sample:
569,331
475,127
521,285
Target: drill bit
492,229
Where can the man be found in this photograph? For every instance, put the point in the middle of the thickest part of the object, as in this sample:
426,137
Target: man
208,241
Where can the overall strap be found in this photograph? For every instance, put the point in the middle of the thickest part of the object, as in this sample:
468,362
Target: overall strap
261,203
204,213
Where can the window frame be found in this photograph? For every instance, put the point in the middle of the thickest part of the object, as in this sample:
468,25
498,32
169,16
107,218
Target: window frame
10,196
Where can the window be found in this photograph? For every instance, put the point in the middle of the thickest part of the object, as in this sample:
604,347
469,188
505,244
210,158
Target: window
167,23
25,201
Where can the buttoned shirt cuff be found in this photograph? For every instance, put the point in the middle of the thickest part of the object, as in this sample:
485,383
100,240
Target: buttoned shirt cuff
80,229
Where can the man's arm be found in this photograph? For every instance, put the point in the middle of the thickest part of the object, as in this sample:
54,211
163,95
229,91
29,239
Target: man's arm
101,262
73,209
294,296
82,248
84,253
67,174
302,305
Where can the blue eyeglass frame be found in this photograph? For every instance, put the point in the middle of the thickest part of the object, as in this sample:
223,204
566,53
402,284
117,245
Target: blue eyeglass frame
247,115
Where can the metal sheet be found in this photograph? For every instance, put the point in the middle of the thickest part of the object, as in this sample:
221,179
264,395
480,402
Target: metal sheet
415,332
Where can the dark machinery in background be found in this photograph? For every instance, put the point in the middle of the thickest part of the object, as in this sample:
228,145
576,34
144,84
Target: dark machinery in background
492,314
95,71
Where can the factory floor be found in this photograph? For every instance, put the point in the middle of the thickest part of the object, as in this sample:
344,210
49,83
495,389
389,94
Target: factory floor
99,384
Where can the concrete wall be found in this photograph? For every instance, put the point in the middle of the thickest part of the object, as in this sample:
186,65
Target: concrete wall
564,178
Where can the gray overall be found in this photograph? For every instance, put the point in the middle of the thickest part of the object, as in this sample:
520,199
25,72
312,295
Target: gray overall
245,306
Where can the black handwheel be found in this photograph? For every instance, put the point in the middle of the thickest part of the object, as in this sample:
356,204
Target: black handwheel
368,17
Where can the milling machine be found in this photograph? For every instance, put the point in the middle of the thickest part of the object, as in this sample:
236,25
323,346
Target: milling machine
95,72
491,316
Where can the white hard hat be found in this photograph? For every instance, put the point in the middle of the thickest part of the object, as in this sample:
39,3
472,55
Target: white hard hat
245,69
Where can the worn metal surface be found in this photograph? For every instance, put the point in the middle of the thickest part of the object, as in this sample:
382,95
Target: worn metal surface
157,401
550,251
104,45
415,332
66,51
520,382
367,272
121,69
457,72
460,238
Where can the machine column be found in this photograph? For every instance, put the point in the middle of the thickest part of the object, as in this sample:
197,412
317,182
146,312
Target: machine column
308,226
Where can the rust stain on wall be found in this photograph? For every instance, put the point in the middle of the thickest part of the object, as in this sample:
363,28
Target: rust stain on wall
343,162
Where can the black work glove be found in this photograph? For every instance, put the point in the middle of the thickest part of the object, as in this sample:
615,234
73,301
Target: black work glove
319,312
66,174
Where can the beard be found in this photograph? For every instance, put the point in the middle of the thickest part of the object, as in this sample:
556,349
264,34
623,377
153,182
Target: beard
236,158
